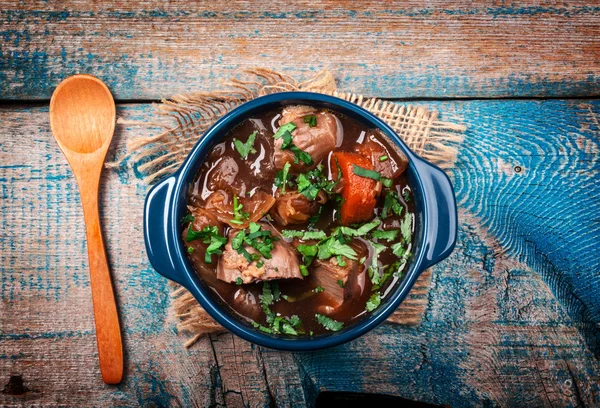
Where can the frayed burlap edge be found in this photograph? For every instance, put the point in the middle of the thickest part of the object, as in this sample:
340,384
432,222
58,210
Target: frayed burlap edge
190,115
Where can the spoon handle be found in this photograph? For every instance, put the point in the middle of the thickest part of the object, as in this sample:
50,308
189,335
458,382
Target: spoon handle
108,333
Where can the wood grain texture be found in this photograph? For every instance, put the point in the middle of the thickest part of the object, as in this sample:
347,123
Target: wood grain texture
82,119
498,329
408,49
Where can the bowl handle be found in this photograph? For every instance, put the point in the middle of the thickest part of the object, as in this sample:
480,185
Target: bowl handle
160,244
440,205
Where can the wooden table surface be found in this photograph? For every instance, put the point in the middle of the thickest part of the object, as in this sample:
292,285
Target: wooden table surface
513,316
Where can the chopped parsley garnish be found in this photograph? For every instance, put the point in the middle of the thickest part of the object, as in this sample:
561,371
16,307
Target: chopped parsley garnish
332,246
214,248
288,127
187,218
209,235
261,240
238,281
374,268
303,270
306,188
392,270
387,182
238,214
311,120
383,158
372,174
281,177
304,235
388,235
278,324
300,155
406,195
311,182
362,230
398,250
319,289
391,204
290,234
285,132
262,328
340,283
406,227
245,149
373,302
328,323
190,250
362,172
287,140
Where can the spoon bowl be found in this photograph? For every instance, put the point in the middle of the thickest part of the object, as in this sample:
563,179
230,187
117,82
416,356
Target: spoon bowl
82,118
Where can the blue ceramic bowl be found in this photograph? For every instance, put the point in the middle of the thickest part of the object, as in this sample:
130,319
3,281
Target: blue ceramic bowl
166,205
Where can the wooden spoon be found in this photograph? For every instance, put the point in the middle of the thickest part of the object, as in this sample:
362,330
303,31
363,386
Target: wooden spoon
82,118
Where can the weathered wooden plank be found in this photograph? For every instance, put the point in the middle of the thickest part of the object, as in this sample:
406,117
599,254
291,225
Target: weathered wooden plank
493,333
401,49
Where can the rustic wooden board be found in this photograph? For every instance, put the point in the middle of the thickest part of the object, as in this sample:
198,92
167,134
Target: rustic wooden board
511,318
409,49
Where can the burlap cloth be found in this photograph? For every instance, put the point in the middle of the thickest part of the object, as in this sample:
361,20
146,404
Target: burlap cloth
187,117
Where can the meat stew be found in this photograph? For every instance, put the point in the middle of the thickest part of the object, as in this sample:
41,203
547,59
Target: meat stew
301,221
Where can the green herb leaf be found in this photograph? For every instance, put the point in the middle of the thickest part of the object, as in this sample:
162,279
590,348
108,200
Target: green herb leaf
406,227
362,230
398,250
238,240
387,182
329,324
285,171
303,270
391,204
374,273
287,140
187,218
262,328
383,158
301,155
332,246
238,281
314,235
388,235
245,149
287,328
319,289
214,248
311,120
308,250
306,188
291,234
340,283
362,172
373,302
288,127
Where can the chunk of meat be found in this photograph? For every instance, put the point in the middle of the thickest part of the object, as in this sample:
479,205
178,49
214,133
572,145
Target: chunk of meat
374,150
359,193
202,219
340,282
294,208
224,176
246,303
317,141
282,265
220,203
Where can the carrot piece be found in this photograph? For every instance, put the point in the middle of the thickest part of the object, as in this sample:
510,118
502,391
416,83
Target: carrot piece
358,192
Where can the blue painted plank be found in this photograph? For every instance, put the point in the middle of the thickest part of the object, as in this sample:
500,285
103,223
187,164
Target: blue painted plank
437,49
496,330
